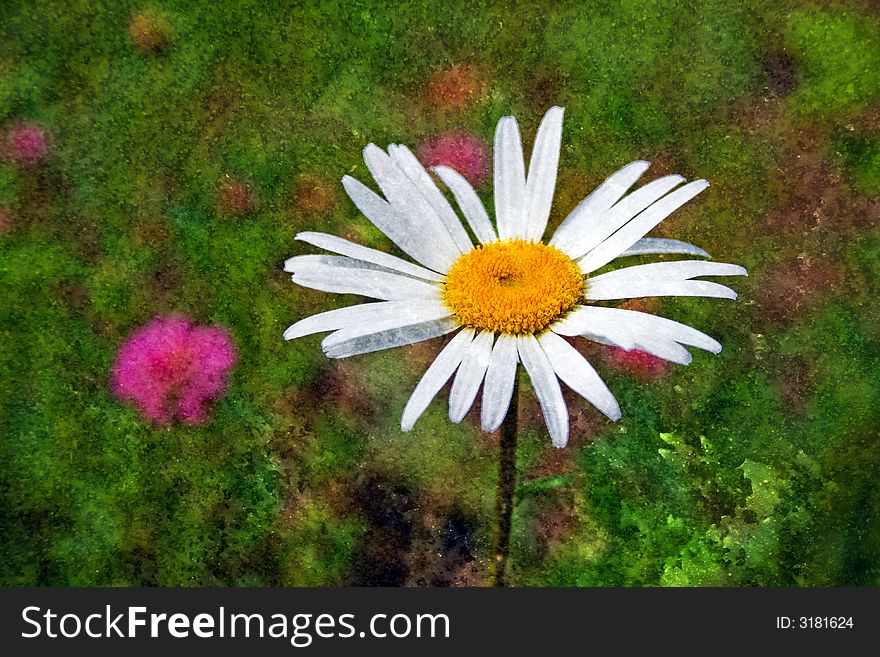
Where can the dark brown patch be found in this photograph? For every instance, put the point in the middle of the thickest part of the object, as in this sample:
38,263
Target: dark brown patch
339,385
383,555
73,295
86,236
236,197
39,193
419,356
149,32
454,89
165,277
585,422
314,195
444,550
796,378
551,524
151,231
816,198
545,90
781,73
791,289
552,462
647,305
457,563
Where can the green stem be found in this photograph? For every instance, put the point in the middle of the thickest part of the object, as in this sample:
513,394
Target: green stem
506,491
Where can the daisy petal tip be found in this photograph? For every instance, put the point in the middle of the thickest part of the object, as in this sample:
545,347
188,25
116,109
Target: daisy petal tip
560,441
507,123
489,427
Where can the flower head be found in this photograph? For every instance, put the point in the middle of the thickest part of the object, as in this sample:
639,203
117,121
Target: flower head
513,298
171,369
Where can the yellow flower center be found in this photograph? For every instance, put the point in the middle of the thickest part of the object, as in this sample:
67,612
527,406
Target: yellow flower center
514,286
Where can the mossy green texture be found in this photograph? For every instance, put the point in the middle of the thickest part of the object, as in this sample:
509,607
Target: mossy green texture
840,52
860,155
753,467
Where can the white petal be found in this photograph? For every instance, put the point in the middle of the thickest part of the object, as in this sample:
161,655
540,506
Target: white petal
541,180
422,181
660,327
510,180
319,263
374,284
640,326
351,315
655,245
598,327
470,375
469,202
435,377
578,222
498,387
665,349
639,226
362,339
577,373
604,291
606,224
352,250
408,201
673,270
546,387
426,244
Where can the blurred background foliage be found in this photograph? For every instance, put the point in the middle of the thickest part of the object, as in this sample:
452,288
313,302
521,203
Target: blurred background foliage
189,142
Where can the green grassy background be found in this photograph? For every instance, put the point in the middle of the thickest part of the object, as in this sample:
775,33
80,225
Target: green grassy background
758,466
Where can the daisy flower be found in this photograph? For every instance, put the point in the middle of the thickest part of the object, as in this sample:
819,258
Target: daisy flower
511,298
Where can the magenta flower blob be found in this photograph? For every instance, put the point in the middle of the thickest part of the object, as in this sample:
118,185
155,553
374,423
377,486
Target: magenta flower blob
27,144
461,151
172,370
638,362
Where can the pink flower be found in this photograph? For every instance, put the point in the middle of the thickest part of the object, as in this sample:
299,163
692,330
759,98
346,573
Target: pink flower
171,369
461,151
638,362
27,144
